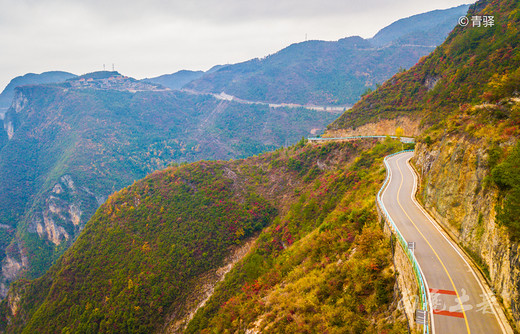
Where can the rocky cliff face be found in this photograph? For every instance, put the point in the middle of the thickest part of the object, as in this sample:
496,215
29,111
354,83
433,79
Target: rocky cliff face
457,190
13,263
11,118
56,217
385,127
20,102
57,221
62,216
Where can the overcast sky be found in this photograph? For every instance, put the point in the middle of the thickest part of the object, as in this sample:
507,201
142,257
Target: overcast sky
154,37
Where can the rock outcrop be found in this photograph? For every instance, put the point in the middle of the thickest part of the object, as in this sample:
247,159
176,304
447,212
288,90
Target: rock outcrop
410,127
59,220
457,191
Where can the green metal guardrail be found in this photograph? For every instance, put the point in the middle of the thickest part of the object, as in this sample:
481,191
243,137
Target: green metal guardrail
403,139
403,243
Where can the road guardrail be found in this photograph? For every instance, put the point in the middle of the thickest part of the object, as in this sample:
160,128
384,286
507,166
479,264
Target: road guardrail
410,255
402,139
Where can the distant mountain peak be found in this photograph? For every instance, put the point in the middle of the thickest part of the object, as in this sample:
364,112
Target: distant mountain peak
111,80
458,72
175,80
98,75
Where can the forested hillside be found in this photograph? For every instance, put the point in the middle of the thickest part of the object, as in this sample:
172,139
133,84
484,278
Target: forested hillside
67,147
296,230
143,254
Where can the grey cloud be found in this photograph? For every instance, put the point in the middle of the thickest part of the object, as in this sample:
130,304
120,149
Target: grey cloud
223,11
154,37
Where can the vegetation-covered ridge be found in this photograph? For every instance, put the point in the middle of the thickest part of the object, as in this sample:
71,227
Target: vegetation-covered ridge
139,252
323,266
459,71
137,259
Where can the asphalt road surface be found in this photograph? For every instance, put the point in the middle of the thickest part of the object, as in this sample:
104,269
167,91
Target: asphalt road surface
459,302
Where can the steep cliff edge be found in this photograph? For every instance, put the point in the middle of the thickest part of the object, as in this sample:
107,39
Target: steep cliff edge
458,187
7,94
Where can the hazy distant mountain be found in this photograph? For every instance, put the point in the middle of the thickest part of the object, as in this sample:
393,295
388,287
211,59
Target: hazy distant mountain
430,28
111,80
30,79
320,72
216,68
176,80
466,68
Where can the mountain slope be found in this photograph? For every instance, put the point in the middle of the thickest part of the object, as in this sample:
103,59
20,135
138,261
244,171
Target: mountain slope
458,71
140,262
429,28
6,97
69,146
323,73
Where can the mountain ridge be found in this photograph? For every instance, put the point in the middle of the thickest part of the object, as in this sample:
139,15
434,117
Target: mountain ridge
176,80
327,73
410,26
444,79
308,269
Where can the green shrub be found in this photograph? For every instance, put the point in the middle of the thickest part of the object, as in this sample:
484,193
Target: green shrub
506,176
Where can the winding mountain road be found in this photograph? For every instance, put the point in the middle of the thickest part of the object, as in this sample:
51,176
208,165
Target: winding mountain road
459,302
